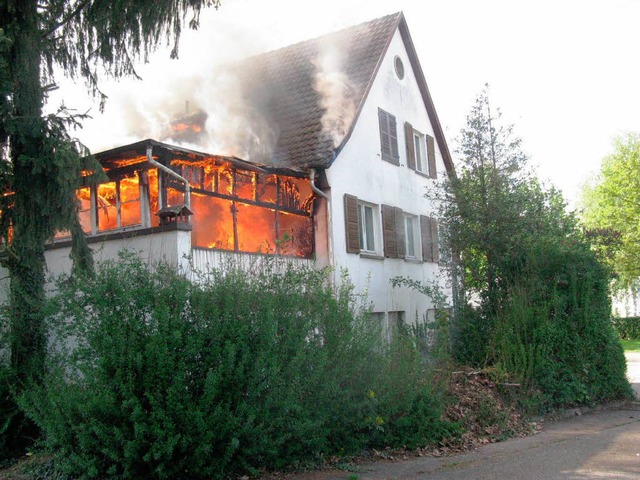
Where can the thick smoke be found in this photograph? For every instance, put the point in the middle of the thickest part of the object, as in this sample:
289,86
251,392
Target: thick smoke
336,92
236,106
235,125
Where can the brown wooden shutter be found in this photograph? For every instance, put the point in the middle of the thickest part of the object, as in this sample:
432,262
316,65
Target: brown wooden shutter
400,233
388,137
427,243
431,156
393,134
435,240
352,231
385,141
389,232
411,151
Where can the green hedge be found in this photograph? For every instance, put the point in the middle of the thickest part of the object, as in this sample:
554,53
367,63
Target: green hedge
552,332
152,376
627,327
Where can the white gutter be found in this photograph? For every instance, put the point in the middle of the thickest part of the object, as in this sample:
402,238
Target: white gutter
187,188
316,190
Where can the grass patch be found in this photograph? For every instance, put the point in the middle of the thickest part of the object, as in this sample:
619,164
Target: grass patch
631,345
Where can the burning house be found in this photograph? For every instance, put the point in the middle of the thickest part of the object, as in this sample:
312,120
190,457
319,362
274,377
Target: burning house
339,180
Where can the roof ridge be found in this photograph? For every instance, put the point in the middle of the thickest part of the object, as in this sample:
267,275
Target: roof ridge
323,36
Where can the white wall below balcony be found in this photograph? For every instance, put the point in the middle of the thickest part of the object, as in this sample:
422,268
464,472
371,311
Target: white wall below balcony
204,261
172,247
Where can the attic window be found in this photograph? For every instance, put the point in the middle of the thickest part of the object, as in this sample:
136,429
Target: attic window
399,67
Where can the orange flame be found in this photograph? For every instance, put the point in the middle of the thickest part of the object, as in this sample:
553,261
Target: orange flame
250,221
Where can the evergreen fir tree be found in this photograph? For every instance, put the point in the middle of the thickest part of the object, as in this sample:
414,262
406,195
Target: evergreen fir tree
41,164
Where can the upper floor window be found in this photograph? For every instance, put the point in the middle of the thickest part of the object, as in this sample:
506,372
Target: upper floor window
388,137
118,203
421,153
419,149
409,236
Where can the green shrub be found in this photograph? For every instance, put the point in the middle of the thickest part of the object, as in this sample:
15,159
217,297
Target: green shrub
152,376
628,328
471,336
17,432
554,333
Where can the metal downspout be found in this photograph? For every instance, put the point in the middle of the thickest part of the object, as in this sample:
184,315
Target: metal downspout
187,188
316,190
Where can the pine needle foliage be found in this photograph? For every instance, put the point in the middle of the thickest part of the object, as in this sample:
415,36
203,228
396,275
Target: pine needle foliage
40,164
535,298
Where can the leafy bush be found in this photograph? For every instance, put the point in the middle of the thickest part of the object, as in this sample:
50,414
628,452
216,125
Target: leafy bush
152,376
627,327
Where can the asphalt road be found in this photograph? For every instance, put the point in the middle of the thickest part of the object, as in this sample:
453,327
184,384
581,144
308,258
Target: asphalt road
603,444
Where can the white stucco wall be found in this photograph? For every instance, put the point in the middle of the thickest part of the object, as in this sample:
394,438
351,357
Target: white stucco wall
359,170
173,247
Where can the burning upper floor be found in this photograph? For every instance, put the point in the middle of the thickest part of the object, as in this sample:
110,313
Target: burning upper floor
233,205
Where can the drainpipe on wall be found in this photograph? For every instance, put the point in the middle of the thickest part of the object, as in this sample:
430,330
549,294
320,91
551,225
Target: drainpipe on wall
316,190
187,188
329,229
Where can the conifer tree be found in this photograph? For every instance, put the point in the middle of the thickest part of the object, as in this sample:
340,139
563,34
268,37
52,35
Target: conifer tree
40,164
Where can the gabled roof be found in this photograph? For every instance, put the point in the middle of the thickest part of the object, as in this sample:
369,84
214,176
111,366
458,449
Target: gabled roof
283,82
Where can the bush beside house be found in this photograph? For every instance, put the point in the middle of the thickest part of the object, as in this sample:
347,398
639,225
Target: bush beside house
152,376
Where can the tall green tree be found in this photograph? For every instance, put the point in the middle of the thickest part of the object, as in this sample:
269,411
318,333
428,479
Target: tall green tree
611,209
41,164
495,205
544,308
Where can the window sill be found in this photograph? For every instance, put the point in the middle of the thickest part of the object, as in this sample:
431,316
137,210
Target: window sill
371,256
413,260
423,174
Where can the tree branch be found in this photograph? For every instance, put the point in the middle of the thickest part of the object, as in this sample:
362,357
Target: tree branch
67,18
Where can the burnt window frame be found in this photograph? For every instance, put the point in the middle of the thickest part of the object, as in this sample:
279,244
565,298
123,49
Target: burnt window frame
284,202
143,202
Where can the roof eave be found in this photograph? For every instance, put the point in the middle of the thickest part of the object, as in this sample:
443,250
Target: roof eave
365,94
401,25
426,95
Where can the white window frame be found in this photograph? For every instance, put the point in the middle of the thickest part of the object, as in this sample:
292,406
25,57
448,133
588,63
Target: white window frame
118,207
412,237
369,235
420,152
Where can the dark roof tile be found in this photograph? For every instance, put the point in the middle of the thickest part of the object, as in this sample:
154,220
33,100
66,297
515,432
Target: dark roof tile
282,83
